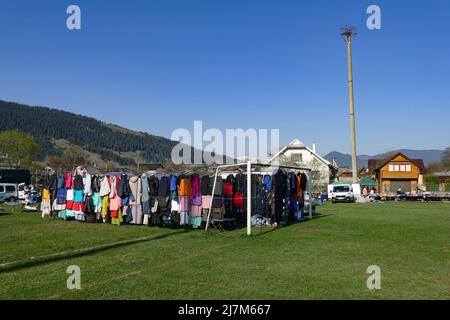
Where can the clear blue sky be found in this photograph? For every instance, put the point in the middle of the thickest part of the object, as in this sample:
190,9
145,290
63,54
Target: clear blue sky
159,65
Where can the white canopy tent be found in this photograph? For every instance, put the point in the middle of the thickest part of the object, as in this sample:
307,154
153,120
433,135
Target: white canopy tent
248,165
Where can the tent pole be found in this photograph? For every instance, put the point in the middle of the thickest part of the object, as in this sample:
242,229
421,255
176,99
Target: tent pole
249,198
212,198
310,194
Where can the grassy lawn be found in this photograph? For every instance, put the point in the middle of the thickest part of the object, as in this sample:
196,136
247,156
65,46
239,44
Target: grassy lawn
325,258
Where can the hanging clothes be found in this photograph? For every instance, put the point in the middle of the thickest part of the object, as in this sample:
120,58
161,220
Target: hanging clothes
115,202
68,180
279,184
46,203
105,188
185,187
218,193
78,182
87,183
135,186
196,194
164,202
89,210
205,186
61,181
267,182
173,183
105,206
61,196
145,199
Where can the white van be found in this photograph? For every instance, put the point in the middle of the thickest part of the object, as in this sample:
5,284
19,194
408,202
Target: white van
9,192
22,190
342,193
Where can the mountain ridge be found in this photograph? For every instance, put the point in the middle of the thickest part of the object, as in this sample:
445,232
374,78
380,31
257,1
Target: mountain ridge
108,142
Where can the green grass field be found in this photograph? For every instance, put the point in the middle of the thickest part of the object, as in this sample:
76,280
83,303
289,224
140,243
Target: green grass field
325,258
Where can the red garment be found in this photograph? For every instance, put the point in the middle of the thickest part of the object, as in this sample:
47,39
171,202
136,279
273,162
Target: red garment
228,190
238,200
114,213
68,180
78,206
69,205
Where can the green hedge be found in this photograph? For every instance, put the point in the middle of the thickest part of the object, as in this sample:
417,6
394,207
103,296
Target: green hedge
432,183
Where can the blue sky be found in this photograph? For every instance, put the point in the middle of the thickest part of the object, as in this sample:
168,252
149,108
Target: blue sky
156,66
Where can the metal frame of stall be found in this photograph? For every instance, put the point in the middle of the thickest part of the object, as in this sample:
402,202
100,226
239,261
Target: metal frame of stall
249,165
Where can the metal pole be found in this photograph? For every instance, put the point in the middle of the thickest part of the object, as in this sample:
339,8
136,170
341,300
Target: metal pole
310,194
352,108
212,198
249,198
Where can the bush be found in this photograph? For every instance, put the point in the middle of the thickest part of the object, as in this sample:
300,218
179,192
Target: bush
432,183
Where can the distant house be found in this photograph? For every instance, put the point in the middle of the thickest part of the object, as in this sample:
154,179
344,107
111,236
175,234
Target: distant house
444,181
398,172
345,175
149,167
297,153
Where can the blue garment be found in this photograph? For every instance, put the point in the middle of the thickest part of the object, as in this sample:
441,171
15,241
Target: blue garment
61,196
78,196
62,214
267,182
292,182
129,215
195,222
69,214
173,183
145,188
61,180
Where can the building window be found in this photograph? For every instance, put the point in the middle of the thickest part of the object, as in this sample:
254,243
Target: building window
402,167
408,168
396,168
298,157
391,168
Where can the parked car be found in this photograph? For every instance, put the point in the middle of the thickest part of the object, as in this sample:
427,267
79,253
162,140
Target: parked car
401,195
22,190
9,192
342,193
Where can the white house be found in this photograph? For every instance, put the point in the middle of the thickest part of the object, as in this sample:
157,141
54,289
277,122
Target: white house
298,153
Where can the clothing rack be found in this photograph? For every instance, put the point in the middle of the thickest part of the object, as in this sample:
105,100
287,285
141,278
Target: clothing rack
249,166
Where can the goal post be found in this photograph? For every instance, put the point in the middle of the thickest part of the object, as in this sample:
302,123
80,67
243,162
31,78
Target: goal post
249,165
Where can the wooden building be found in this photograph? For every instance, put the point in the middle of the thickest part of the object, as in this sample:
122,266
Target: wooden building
444,181
398,172
345,175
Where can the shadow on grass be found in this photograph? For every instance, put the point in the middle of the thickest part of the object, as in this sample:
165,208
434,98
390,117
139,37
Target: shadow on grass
15,266
263,232
3,212
318,216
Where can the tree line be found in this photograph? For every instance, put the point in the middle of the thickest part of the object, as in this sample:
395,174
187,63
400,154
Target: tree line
440,166
45,124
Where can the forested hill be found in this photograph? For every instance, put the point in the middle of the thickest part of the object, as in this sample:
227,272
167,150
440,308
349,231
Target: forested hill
110,142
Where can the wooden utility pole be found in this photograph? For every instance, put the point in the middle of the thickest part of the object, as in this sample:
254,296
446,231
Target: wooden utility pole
348,33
